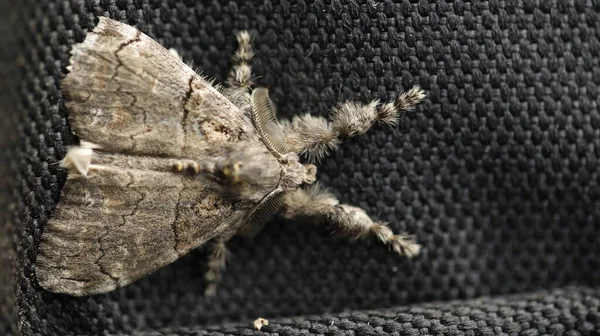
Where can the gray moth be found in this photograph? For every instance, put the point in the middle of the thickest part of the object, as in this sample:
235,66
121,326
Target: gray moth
168,162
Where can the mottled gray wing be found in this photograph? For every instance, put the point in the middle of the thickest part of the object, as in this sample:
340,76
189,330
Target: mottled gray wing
132,215
129,94
125,220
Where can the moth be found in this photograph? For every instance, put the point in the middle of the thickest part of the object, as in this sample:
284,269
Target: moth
168,162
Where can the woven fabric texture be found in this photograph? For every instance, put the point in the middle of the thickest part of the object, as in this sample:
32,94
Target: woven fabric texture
572,311
495,173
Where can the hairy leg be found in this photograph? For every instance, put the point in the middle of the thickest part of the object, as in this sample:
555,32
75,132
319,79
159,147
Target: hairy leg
216,264
352,222
316,136
240,76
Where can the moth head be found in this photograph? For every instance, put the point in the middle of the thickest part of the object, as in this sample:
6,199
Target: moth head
310,173
295,173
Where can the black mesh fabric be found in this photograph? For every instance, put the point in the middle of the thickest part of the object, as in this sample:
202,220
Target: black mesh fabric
495,173
571,311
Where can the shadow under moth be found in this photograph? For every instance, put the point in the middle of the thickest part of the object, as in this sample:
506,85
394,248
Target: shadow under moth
168,161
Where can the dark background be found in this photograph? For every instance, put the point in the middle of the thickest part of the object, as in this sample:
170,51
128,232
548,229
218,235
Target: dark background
496,172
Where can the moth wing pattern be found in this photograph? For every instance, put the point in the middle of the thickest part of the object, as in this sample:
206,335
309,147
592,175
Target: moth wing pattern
124,221
127,93
142,107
